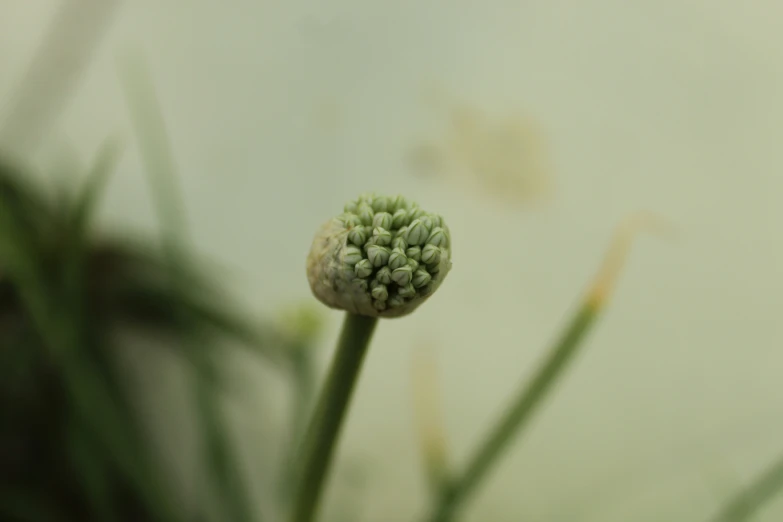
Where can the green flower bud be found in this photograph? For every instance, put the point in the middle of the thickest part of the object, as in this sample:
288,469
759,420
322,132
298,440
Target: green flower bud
398,203
398,219
397,259
365,214
396,301
384,275
421,278
350,220
402,276
382,257
381,237
430,254
406,291
381,204
437,237
378,255
380,292
399,242
382,220
414,212
352,255
417,233
357,236
360,284
363,268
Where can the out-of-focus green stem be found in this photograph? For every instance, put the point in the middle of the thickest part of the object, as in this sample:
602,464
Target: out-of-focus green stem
747,502
516,417
324,429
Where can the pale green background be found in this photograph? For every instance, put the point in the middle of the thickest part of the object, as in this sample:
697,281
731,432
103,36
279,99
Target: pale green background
669,105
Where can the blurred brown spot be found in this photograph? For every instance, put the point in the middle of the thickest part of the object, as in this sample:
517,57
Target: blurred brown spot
505,159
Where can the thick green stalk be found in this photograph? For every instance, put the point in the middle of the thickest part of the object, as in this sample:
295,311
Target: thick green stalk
516,417
324,429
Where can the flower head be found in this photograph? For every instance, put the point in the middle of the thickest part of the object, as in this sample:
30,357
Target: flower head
382,257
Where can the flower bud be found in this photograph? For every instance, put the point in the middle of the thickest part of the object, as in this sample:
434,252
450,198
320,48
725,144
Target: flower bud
380,292
381,257
397,259
399,242
383,275
357,236
365,214
402,276
381,236
417,233
430,254
381,204
406,291
398,219
437,237
382,220
363,268
352,255
378,255
421,278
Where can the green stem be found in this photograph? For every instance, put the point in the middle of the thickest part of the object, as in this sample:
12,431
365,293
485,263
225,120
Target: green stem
749,501
516,417
324,429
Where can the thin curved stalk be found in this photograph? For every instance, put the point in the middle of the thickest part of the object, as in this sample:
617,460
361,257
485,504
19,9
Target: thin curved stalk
324,428
531,396
748,501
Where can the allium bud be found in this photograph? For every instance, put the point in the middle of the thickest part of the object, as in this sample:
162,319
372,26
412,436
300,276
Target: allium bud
421,278
378,255
383,275
397,259
357,236
400,243
382,220
406,291
430,254
417,233
403,275
363,268
380,292
398,219
365,214
437,237
381,236
382,257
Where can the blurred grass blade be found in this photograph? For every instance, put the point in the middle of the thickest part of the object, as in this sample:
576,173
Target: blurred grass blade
747,503
84,206
61,58
429,421
532,395
225,476
86,388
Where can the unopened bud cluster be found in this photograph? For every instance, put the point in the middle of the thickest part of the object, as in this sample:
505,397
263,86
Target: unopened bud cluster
381,257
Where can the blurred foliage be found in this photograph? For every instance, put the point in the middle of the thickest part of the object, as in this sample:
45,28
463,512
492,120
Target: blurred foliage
71,444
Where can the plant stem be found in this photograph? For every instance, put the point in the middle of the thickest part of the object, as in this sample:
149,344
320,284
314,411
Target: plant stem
516,417
747,502
324,429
